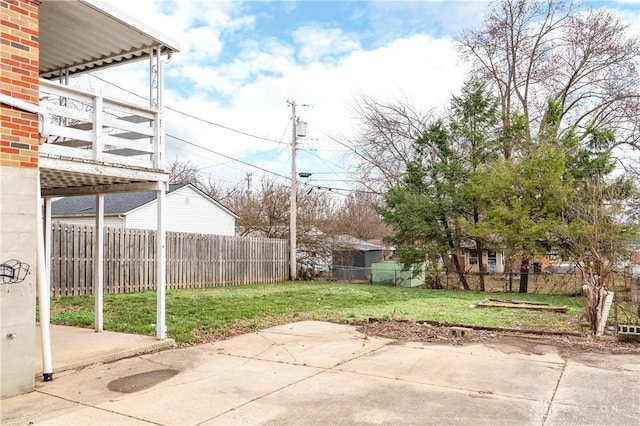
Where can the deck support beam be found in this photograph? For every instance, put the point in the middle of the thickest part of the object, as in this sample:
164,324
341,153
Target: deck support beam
98,265
161,328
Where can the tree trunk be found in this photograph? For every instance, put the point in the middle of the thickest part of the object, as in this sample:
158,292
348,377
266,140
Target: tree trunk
446,261
476,219
460,272
456,249
524,276
480,264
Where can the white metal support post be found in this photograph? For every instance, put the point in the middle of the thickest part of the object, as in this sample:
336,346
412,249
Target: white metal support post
156,102
161,328
154,77
48,237
156,86
98,266
293,209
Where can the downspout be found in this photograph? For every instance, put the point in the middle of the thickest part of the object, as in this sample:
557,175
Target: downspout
44,117
43,295
42,278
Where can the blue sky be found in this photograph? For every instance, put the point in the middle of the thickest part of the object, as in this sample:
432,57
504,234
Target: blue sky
240,61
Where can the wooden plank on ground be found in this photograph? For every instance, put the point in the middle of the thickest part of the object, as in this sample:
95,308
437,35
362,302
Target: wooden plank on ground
536,306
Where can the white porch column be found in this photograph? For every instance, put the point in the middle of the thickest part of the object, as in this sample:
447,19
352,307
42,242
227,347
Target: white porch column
156,90
98,265
48,237
161,281
155,100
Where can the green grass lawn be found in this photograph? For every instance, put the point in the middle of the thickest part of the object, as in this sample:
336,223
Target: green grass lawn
195,316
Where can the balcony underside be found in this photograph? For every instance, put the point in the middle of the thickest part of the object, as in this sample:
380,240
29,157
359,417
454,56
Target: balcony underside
67,177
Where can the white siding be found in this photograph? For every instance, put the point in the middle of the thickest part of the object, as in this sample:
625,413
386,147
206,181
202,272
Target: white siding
109,221
186,211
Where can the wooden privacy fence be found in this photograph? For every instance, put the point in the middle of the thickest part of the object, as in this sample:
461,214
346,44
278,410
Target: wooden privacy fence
192,261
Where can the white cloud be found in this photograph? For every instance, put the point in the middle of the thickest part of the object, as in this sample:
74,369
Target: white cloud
632,18
316,43
203,44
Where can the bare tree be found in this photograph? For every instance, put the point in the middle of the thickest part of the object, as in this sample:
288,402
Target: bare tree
550,57
263,211
184,172
187,172
316,225
599,227
356,216
382,148
216,190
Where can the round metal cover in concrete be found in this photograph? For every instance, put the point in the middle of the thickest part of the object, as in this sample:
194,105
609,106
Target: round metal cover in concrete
140,381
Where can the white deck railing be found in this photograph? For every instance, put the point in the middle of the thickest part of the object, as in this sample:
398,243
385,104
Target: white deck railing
87,126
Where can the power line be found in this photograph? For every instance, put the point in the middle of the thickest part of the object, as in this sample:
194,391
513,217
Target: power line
332,173
334,189
222,126
276,151
333,180
326,163
321,187
225,127
308,150
226,156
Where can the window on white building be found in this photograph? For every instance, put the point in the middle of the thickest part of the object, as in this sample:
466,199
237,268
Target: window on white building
473,257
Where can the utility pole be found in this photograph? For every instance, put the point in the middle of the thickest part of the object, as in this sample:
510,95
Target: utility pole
248,179
293,209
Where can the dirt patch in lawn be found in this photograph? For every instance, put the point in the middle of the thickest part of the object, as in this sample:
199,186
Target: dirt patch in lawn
411,331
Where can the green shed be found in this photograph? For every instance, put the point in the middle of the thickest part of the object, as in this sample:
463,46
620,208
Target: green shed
391,273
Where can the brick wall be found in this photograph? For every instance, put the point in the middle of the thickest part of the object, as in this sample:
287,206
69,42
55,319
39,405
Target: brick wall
19,53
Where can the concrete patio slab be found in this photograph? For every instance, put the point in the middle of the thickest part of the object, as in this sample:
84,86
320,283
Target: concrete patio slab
487,374
34,407
187,399
299,349
73,347
607,393
336,397
93,416
315,373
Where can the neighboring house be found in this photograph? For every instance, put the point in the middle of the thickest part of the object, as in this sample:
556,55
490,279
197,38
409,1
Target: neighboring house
635,264
187,210
493,259
352,258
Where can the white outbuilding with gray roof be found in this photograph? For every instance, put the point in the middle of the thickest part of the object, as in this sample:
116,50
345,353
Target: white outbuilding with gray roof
187,210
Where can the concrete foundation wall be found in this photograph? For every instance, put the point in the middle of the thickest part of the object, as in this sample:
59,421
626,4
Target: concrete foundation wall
18,221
